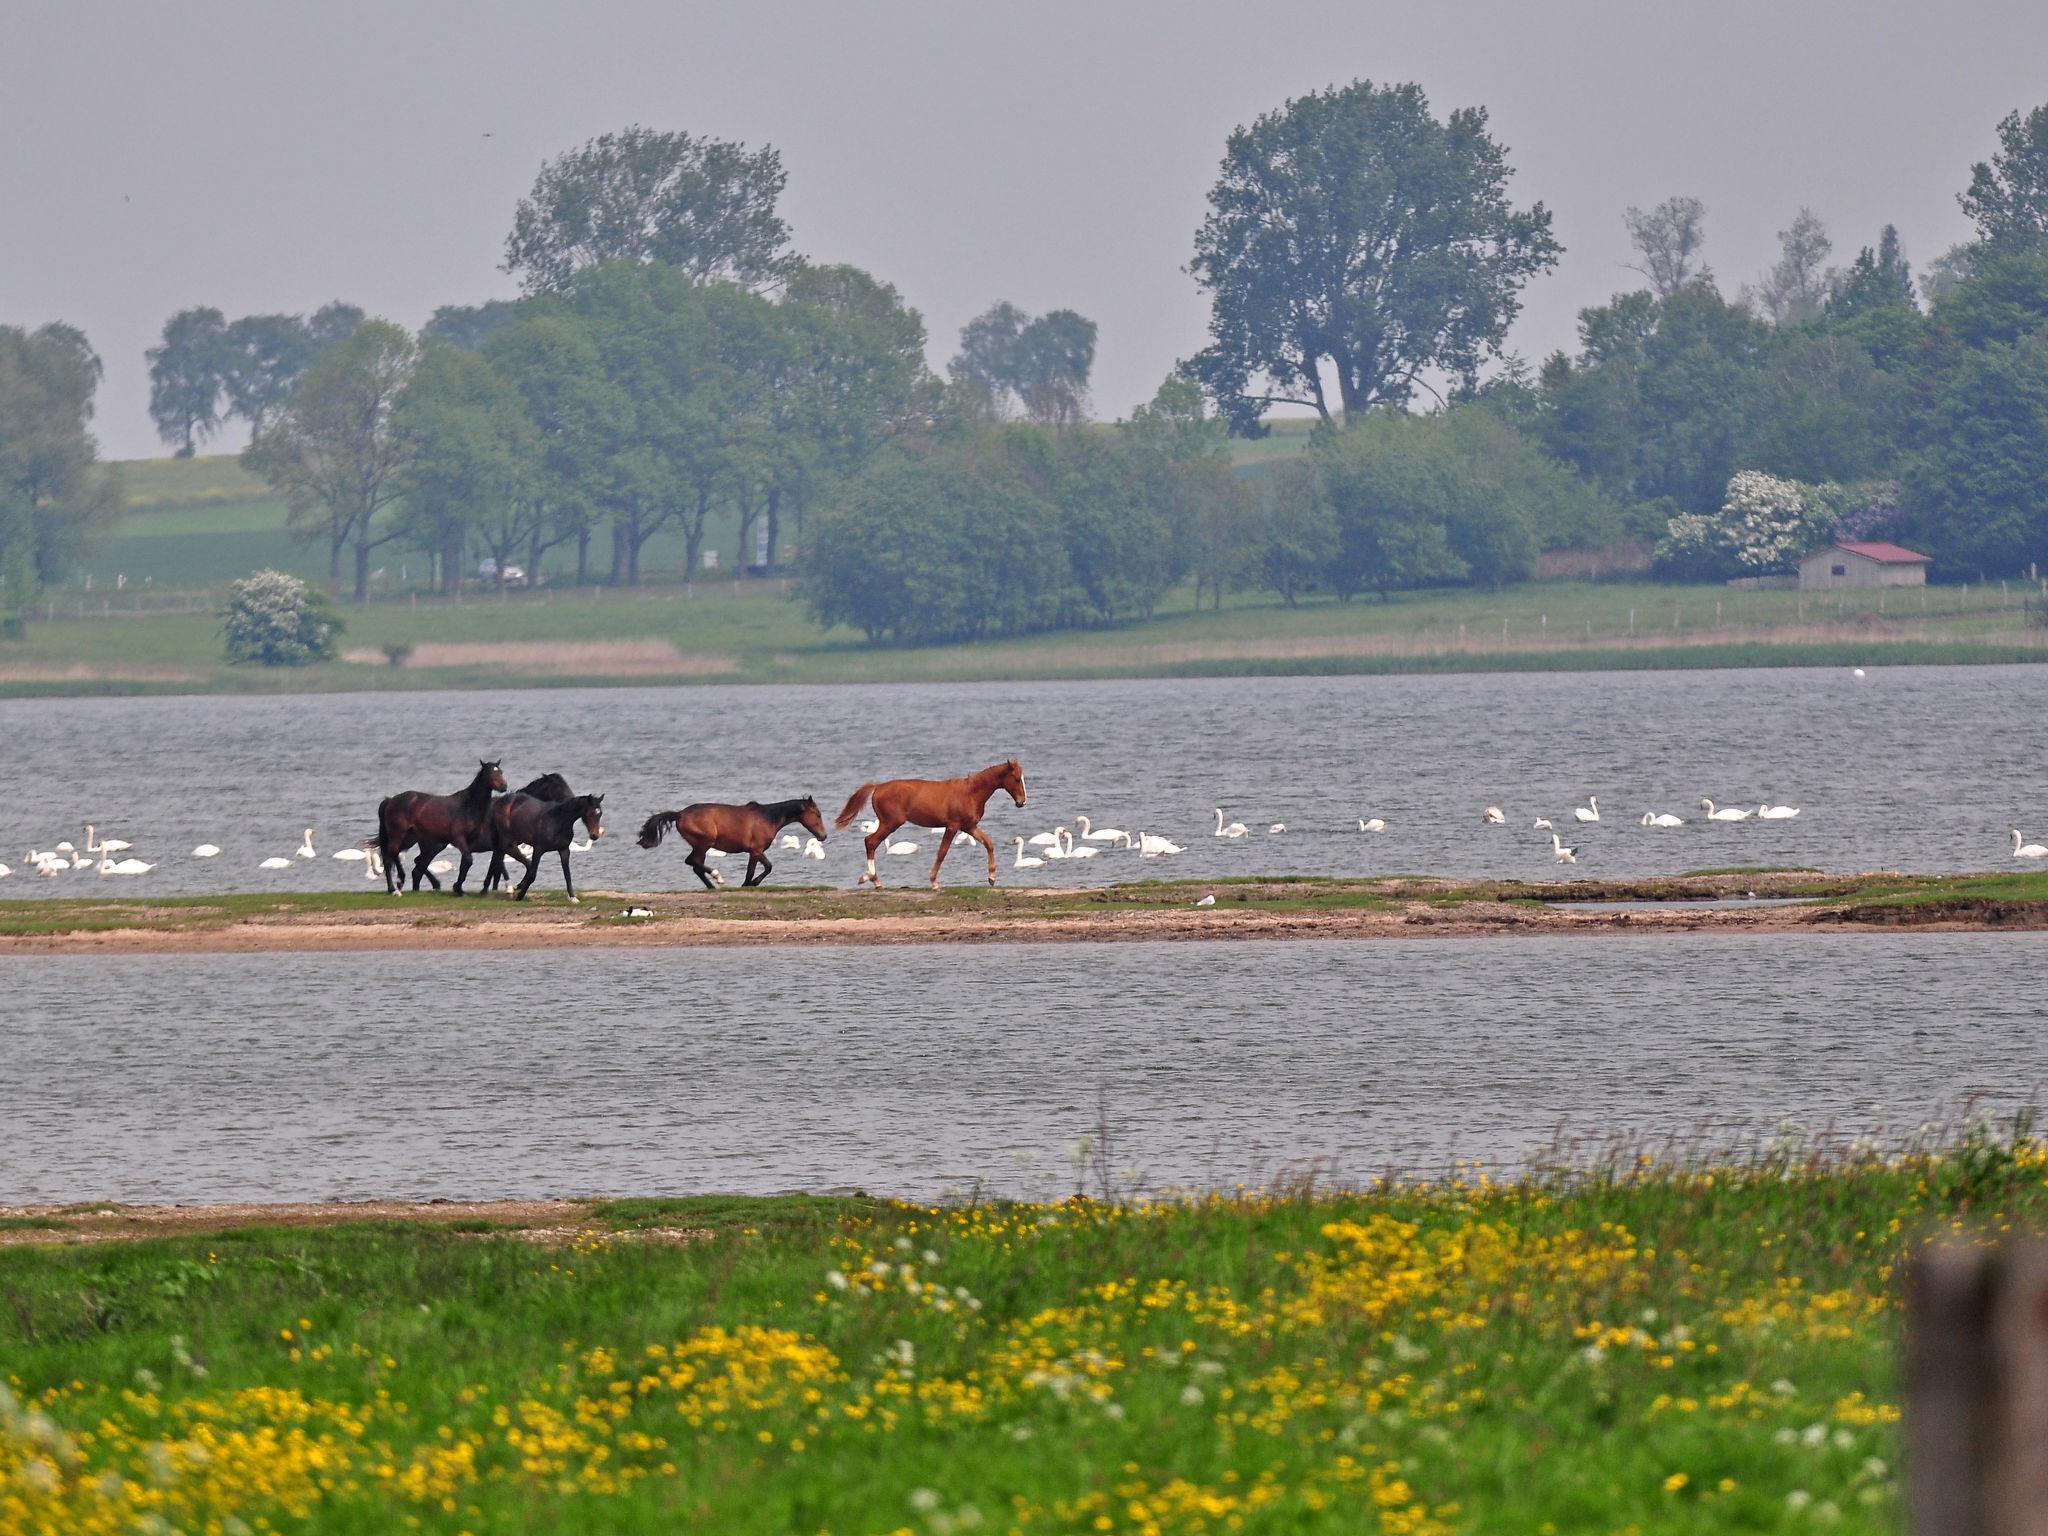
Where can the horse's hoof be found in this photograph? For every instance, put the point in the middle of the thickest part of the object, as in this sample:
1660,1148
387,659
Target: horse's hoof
575,901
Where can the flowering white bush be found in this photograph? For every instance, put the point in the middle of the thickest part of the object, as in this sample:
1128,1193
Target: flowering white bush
273,619
1765,523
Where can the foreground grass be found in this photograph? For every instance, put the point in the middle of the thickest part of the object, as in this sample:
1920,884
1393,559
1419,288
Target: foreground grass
1669,1349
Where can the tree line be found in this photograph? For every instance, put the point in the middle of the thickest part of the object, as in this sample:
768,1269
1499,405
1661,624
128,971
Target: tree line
672,359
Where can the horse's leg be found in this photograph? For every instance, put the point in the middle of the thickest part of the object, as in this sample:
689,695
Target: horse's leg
945,847
696,862
390,853
987,842
429,851
567,884
876,838
462,870
762,860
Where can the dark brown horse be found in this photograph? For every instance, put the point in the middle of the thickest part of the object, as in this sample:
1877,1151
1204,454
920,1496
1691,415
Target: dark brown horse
549,786
434,822
747,829
952,806
547,826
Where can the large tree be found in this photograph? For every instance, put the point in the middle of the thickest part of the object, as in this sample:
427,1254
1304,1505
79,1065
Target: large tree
2008,195
1008,360
1796,287
706,206
54,496
1353,232
336,452
1979,492
264,358
187,377
473,456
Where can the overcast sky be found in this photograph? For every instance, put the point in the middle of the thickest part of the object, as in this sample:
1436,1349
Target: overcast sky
261,157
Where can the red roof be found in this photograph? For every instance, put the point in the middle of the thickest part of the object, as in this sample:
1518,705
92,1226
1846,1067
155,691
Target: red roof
1886,554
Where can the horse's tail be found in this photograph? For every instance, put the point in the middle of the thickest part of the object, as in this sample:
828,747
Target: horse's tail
860,798
657,827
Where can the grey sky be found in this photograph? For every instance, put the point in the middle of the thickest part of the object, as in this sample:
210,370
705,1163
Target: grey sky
260,156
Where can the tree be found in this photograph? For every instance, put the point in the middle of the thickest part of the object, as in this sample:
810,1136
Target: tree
549,358
472,454
705,206
1667,238
335,452
273,620
1215,523
1876,280
264,358
947,543
1796,288
1008,359
1764,523
1353,230
2008,195
1393,499
187,375
1300,531
1824,412
54,495
470,325
1978,494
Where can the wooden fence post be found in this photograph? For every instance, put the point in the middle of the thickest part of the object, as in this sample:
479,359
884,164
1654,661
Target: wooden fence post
1977,1390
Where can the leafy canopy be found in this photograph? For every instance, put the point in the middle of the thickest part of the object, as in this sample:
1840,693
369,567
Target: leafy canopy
1352,231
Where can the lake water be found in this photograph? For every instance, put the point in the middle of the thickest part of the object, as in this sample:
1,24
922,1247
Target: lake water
926,1071
1916,768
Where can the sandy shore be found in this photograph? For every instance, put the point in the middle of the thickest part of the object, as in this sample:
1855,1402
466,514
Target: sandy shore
1265,910
536,1221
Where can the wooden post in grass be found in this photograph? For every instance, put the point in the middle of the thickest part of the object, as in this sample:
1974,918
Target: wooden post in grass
1977,1390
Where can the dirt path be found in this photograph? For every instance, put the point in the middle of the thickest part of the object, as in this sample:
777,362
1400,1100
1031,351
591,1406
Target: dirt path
1399,908
536,1221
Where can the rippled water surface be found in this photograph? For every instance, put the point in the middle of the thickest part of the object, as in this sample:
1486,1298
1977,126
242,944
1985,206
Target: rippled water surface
1921,768
922,1071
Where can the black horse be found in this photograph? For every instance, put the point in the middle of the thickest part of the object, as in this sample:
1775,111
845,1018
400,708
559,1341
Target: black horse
550,787
548,826
433,822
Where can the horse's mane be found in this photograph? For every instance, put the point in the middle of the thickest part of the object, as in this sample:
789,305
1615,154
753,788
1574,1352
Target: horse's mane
549,786
784,811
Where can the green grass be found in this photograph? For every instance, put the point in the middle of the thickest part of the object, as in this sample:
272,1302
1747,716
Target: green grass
1668,1348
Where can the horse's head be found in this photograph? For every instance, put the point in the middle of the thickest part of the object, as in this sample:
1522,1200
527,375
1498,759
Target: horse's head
590,811
807,813
492,774
1013,780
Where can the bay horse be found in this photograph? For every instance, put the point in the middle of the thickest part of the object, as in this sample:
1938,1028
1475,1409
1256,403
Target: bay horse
952,805
549,786
548,826
434,822
748,829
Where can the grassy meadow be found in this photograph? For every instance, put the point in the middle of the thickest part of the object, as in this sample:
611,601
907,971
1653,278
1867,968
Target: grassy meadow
1637,1345
145,622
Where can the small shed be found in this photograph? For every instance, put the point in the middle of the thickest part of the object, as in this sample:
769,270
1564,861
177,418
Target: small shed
1857,563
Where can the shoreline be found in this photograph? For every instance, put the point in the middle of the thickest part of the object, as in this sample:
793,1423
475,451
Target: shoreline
1271,910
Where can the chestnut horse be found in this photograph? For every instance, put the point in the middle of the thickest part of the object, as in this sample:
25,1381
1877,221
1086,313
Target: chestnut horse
547,826
747,829
953,806
549,786
434,822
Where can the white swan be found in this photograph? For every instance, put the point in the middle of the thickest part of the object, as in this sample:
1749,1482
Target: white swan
1493,816
1727,813
869,827
5,871
2026,850
305,849
1073,852
1044,840
901,847
1207,901
1375,825
1590,811
442,866
64,848
109,844
1058,847
1021,862
1769,812
790,841
813,849
1543,824
1235,829
1276,829
1662,819
1095,834
275,863
206,851
1150,847
1564,855
125,867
